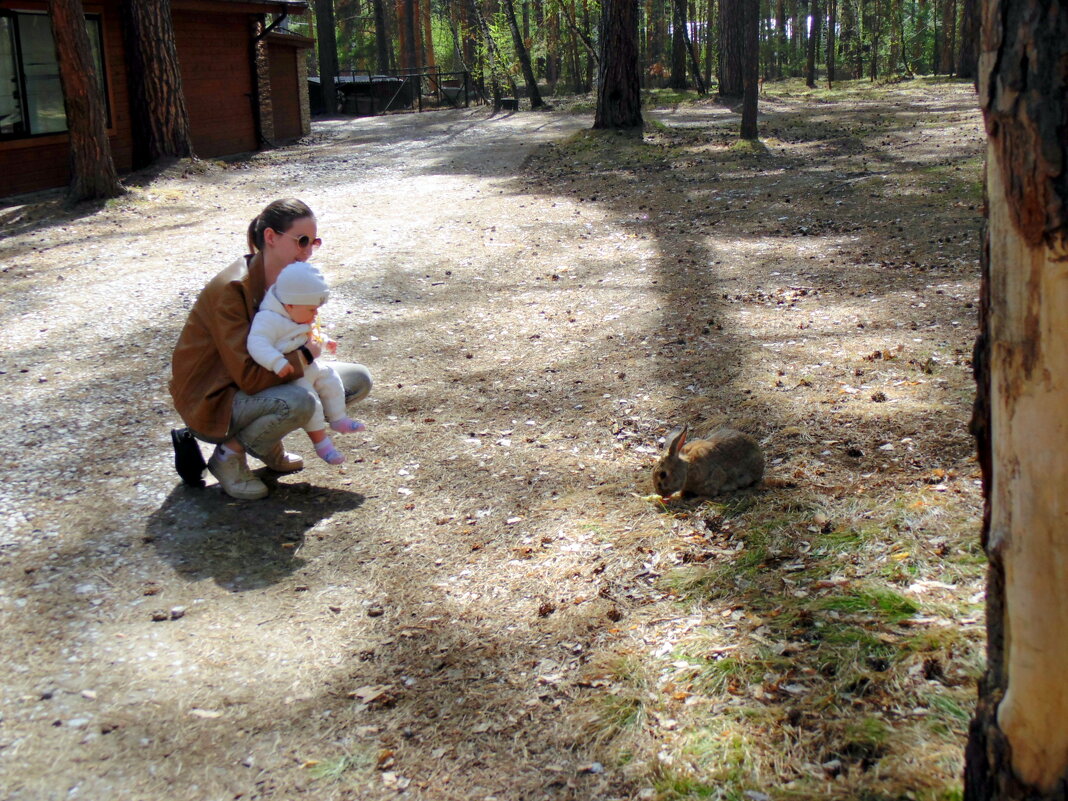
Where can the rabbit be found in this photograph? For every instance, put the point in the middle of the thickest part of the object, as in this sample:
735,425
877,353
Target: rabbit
726,461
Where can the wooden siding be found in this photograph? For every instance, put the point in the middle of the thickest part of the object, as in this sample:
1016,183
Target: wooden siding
285,93
215,54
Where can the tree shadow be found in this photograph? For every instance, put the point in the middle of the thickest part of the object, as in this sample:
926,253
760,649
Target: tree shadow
241,545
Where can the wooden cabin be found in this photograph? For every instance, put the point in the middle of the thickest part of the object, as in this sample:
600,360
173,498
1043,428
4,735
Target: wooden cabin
244,78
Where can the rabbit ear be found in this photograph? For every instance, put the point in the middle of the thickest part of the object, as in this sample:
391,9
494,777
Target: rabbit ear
676,440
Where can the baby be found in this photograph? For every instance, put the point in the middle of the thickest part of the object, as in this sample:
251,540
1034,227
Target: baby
286,321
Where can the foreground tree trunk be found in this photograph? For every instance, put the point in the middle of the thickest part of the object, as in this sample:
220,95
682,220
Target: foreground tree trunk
1018,740
619,99
92,167
158,112
731,48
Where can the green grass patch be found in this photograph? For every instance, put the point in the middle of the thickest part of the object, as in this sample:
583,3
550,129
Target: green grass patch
880,602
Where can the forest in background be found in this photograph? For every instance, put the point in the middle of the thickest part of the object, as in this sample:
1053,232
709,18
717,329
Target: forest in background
682,43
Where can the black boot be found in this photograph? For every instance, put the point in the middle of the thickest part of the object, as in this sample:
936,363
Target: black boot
188,460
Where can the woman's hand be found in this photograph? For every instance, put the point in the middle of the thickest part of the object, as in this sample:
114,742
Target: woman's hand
315,347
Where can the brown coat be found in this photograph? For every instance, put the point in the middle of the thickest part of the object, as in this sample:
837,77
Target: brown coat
211,361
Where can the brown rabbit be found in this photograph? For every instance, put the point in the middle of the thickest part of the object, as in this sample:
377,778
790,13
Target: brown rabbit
726,461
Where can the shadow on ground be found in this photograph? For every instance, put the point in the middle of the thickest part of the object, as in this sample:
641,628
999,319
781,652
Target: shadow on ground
240,545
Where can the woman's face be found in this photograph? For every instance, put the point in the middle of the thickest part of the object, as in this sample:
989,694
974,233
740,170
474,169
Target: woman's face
287,243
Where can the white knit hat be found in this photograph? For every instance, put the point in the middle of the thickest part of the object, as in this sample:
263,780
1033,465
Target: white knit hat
301,284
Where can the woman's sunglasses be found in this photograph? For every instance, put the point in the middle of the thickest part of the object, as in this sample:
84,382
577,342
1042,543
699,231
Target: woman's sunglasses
303,241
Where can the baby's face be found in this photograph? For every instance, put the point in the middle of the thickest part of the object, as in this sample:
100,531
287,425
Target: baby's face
301,314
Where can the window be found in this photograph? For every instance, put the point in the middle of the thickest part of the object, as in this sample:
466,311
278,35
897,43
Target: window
31,99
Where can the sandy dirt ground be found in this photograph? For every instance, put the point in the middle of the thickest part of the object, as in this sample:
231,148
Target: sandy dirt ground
432,618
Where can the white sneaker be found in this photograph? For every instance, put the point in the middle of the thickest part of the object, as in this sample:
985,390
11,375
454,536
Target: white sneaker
236,479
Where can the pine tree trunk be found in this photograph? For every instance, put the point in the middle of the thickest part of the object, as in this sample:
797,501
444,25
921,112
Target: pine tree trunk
1018,742
92,166
409,24
832,23
678,45
731,49
813,45
327,50
780,39
949,38
158,112
428,35
524,57
618,81
967,59
751,68
382,38
876,36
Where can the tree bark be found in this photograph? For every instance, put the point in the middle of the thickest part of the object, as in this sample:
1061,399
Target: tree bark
524,57
751,68
409,25
678,45
780,39
731,48
813,45
92,166
430,61
1018,741
949,37
832,23
618,79
382,39
967,59
158,112
327,50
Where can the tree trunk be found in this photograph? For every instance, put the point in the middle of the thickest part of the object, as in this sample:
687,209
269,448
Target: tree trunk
158,112
832,22
409,25
731,48
709,33
92,167
813,45
780,39
382,38
618,80
524,57
949,37
327,50
751,68
428,36
678,45
1018,742
967,59
876,30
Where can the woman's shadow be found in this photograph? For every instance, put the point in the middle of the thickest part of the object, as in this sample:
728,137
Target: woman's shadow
242,545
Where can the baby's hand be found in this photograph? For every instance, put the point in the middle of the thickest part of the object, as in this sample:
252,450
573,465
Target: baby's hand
287,369
331,346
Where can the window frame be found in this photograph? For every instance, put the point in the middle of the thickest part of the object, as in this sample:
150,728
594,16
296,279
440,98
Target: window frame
27,136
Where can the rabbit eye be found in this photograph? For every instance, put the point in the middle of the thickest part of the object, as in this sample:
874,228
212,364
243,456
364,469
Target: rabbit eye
663,473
